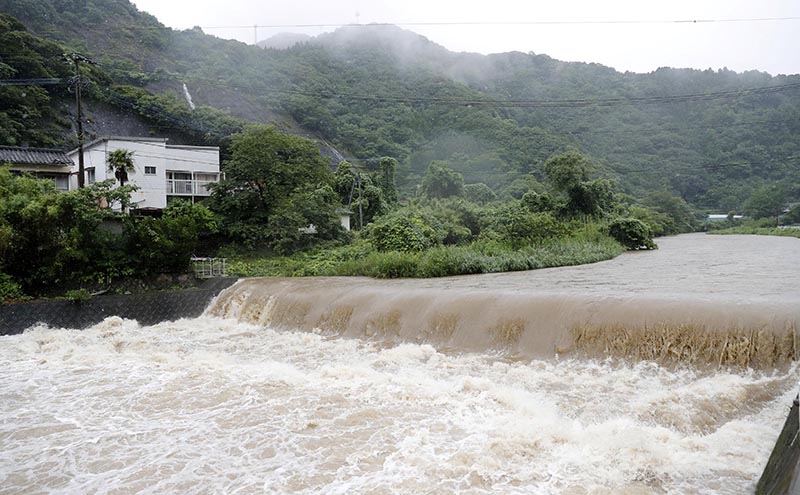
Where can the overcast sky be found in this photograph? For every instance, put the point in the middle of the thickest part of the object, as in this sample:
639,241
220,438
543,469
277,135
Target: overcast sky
768,45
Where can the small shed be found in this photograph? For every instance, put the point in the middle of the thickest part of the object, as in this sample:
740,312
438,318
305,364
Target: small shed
344,218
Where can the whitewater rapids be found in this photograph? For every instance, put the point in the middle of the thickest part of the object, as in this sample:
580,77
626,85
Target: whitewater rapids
217,406
235,405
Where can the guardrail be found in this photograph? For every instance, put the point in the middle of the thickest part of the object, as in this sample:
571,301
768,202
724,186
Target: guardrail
210,267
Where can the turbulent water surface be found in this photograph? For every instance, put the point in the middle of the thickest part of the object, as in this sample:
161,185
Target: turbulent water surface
237,405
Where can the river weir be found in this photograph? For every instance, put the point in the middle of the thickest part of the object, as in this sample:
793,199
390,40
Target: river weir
656,372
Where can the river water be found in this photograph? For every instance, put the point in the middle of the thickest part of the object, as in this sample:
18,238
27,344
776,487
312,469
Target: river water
324,386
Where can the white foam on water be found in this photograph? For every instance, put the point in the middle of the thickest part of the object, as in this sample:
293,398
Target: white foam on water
216,406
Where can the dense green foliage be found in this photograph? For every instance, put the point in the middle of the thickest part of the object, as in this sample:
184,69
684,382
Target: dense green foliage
460,163
631,233
29,114
750,230
441,181
275,186
377,91
765,202
485,257
50,239
40,115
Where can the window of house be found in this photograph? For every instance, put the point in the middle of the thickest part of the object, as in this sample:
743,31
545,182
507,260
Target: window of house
90,177
61,181
149,171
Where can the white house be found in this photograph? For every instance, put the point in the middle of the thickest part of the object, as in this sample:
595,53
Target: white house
162,171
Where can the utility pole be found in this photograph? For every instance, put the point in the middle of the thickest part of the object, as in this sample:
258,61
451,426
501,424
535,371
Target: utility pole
360,211
77,58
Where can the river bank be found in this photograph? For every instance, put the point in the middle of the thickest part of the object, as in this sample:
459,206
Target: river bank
146,307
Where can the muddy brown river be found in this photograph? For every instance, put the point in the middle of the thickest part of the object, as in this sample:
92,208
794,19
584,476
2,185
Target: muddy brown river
656,372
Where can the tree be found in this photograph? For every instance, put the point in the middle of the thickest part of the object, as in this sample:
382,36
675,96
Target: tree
121,163
441,181
681,218
49,237
519,227
633,234
386,180
269,181
567,170
479,193
166,244
401,231
569,174
766,201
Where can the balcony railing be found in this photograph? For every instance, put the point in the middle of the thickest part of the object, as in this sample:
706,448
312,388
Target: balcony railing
188,187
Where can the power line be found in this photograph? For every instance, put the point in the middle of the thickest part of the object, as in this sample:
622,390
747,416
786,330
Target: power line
518,23
526,103
710,167
45,81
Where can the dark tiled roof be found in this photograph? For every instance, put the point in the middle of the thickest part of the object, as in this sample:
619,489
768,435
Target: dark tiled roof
33,156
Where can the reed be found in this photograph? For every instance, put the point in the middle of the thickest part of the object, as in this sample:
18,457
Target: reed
693,344
442,325
337,319
386,324
507,331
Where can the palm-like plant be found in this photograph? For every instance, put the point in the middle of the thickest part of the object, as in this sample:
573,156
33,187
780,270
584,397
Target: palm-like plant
120,162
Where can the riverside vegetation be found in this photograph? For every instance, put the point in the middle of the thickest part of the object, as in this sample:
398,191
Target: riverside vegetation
445,188
278,185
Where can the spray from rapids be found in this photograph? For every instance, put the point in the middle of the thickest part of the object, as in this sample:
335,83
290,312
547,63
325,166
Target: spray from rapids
211,405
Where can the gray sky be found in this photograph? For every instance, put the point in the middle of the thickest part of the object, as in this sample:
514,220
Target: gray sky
771,46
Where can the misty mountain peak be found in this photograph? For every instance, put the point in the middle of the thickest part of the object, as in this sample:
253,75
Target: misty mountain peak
401,42
282,41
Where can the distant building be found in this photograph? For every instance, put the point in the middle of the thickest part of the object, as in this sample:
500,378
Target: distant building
49,164
721,218
162,171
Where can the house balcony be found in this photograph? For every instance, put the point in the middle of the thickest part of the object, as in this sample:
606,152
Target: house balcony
188,187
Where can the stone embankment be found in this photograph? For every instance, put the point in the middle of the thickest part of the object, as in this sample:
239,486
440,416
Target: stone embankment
147,308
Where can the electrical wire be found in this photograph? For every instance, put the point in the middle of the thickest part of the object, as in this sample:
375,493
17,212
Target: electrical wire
48,81
516,23
526,103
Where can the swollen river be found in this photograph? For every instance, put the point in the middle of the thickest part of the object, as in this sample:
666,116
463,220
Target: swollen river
654,373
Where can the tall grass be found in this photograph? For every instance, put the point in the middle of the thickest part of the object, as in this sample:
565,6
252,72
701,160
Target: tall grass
745,229
478,257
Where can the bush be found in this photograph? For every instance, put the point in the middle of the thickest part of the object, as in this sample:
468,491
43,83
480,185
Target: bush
401,233
519,227
446,261
78,296
393,264
10,290
632,233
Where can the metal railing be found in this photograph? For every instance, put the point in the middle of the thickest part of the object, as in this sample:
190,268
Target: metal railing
188,187
210,267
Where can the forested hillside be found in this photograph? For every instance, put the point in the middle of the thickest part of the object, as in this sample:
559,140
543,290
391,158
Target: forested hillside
372,91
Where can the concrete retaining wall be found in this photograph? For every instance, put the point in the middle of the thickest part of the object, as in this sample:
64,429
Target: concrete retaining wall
147,308
782,474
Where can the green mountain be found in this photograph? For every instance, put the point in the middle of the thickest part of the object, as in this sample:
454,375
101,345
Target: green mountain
712,137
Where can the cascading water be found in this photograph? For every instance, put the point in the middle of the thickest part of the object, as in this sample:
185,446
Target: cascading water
487,384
